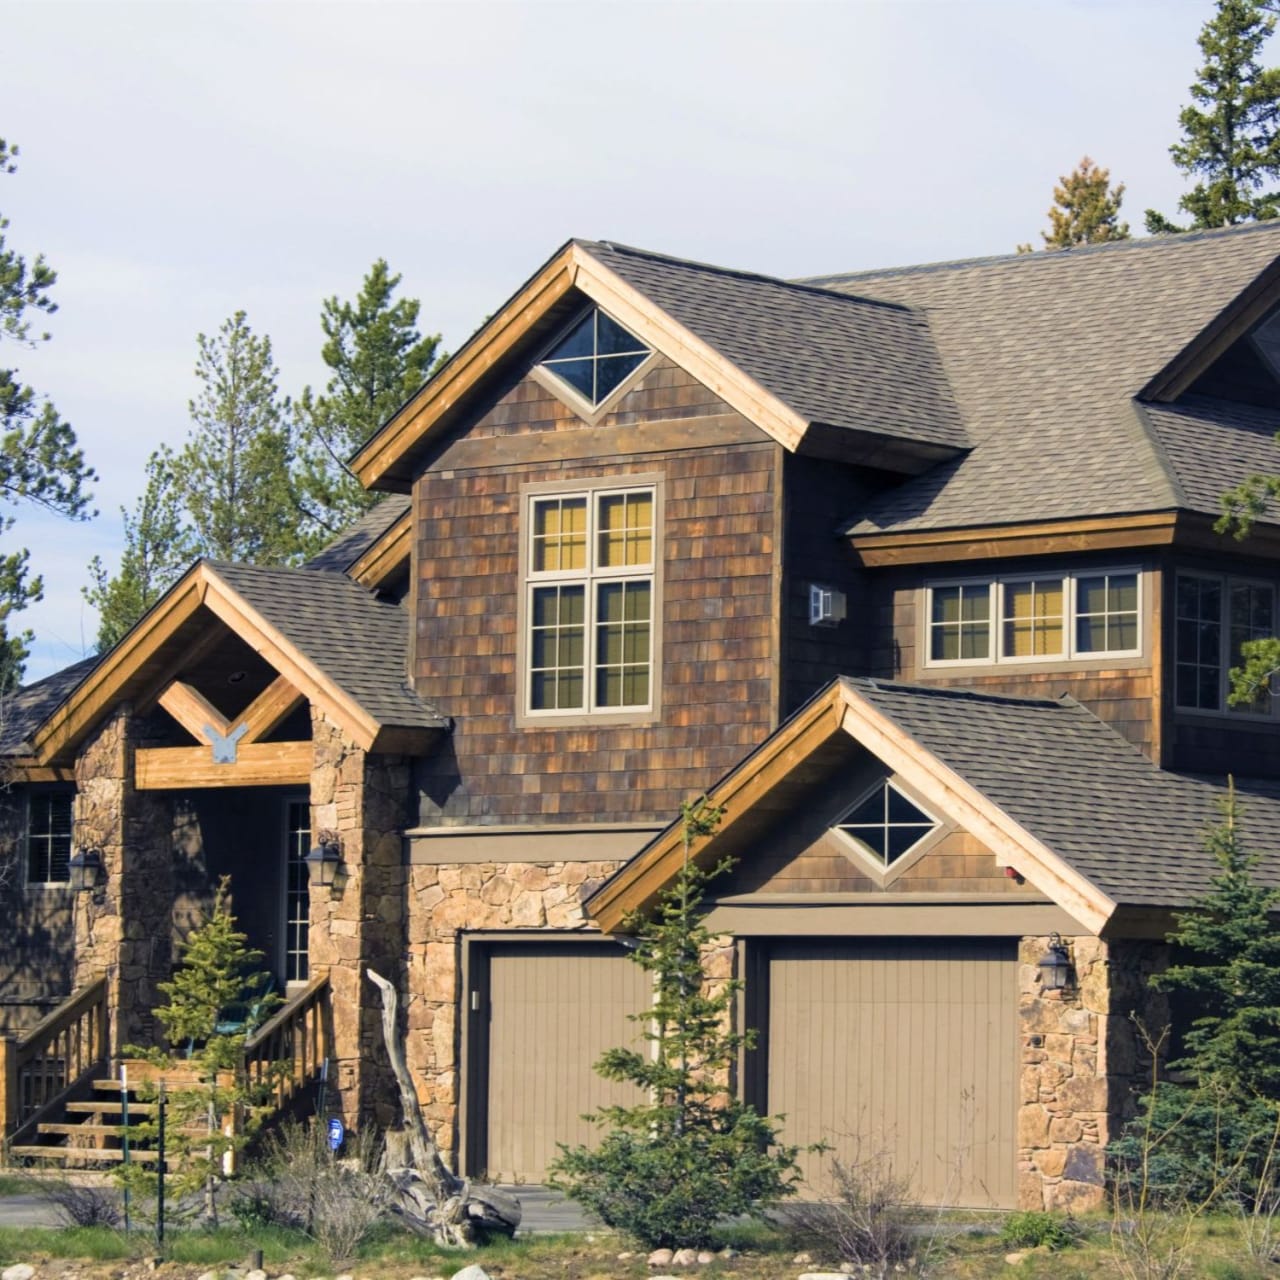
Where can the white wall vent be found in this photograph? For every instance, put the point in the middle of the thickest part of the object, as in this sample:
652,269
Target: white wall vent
826,606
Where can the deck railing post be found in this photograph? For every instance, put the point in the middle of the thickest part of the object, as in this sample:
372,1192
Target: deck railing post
8,1088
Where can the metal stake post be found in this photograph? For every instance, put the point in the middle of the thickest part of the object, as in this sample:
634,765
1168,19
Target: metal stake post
124,1126
160,1168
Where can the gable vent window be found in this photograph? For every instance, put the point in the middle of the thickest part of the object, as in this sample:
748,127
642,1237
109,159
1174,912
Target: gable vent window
886,824
595,357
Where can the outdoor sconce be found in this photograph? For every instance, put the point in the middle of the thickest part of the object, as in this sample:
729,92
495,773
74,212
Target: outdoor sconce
324,863
86,870
1055,967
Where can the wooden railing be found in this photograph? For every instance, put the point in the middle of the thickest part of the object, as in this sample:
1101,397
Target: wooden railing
285,1054
39,1070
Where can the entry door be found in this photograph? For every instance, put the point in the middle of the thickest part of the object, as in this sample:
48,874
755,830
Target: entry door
905,1048
553,1008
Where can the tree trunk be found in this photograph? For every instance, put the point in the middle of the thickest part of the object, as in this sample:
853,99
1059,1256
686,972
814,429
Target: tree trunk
430,1197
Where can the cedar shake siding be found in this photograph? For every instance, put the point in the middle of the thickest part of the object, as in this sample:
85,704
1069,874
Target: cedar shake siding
716,692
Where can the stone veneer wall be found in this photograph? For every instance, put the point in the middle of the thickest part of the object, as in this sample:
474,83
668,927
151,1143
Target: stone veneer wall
363,798
1082,1063
123,928
445,900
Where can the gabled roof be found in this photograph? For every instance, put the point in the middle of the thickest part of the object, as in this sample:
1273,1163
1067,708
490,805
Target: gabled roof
799,362
340,646
358,539
1055,793
1045,353
27,708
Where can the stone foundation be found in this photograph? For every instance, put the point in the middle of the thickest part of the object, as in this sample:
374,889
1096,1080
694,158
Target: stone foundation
1082,1063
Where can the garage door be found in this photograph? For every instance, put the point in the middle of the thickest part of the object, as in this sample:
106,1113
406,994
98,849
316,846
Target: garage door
553,1009
906,1048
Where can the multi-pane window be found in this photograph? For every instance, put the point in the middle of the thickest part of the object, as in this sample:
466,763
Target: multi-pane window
1214,616
590,602
48,837
297,895
885,824
1034,618
595,357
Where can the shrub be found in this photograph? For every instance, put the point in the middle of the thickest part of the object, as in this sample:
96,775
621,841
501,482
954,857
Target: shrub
1034,1229
81,1206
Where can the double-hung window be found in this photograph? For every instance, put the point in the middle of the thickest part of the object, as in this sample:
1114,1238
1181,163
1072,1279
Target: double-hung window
1215,615
1033,618
48,837
589,607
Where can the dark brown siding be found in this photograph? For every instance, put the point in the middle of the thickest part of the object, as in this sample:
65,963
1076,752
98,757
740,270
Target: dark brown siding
1123,695
718,681
821,497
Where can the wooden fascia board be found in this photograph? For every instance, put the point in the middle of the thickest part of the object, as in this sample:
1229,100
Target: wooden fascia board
632,309
1012,844
99,690
462,373
1235,319
301,672
640,882
257,764
24,769
386,556
937,546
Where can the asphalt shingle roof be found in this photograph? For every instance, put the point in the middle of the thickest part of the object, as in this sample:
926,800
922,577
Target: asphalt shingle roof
1135,831
357,640
340,554
834,359
1045,353
24,711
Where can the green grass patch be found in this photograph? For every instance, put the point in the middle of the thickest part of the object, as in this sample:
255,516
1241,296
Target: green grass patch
92,1244
233,1244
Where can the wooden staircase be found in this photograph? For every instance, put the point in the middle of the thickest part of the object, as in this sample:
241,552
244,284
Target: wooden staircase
63,1108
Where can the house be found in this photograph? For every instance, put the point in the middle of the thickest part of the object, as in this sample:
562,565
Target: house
914,571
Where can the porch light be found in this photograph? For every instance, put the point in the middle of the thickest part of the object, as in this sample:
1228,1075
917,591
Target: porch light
324,862
85,870
1055,967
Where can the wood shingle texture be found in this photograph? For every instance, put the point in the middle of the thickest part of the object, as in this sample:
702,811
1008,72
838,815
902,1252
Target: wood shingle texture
1045,354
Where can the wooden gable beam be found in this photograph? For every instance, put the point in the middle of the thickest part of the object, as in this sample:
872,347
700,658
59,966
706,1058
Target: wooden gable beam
269,709
259,764
193,711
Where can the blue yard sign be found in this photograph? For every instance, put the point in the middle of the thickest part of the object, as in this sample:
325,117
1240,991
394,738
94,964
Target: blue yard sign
336,1133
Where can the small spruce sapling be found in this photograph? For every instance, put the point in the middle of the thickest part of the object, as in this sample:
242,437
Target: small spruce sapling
690,1153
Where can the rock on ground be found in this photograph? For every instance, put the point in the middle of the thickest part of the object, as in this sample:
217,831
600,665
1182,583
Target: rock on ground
19,1271
473,1272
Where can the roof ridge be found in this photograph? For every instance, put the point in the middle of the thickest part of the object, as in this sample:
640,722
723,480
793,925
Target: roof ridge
1137,244
759,277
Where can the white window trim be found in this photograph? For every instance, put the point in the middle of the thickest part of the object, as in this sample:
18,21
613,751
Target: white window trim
553,382
592,489
1226,581
864,858
43,886
996,585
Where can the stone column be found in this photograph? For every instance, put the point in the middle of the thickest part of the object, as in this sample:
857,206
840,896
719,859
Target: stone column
123,927
1082,1064
359,924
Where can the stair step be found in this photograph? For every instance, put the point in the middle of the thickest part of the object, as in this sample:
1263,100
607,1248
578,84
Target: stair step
83,1129
102,1155
109,1108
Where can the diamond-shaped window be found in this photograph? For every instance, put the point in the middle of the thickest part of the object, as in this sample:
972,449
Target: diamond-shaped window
595,356
885,824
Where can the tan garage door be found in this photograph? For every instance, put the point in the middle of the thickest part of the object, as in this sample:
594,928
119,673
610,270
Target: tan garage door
553,1009
903,1047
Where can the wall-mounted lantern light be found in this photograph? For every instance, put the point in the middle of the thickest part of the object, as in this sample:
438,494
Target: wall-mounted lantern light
86,870
324,863
1055,966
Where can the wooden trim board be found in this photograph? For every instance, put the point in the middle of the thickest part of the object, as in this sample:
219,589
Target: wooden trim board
260,764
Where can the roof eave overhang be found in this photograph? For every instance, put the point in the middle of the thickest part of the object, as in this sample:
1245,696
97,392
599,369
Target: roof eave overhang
634,889
201,587
387,558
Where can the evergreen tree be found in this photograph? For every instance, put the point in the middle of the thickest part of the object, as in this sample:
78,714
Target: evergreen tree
379,359
1231,130
1085,209
40,461
1233,977
690,1152
157,548
232,477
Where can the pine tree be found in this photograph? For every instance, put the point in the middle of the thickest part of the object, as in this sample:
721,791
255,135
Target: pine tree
690,1152
40,461
157,548
1231,130
379,359
1234,977
1085,209
232,478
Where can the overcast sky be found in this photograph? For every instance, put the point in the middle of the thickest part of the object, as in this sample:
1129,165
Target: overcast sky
181,161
